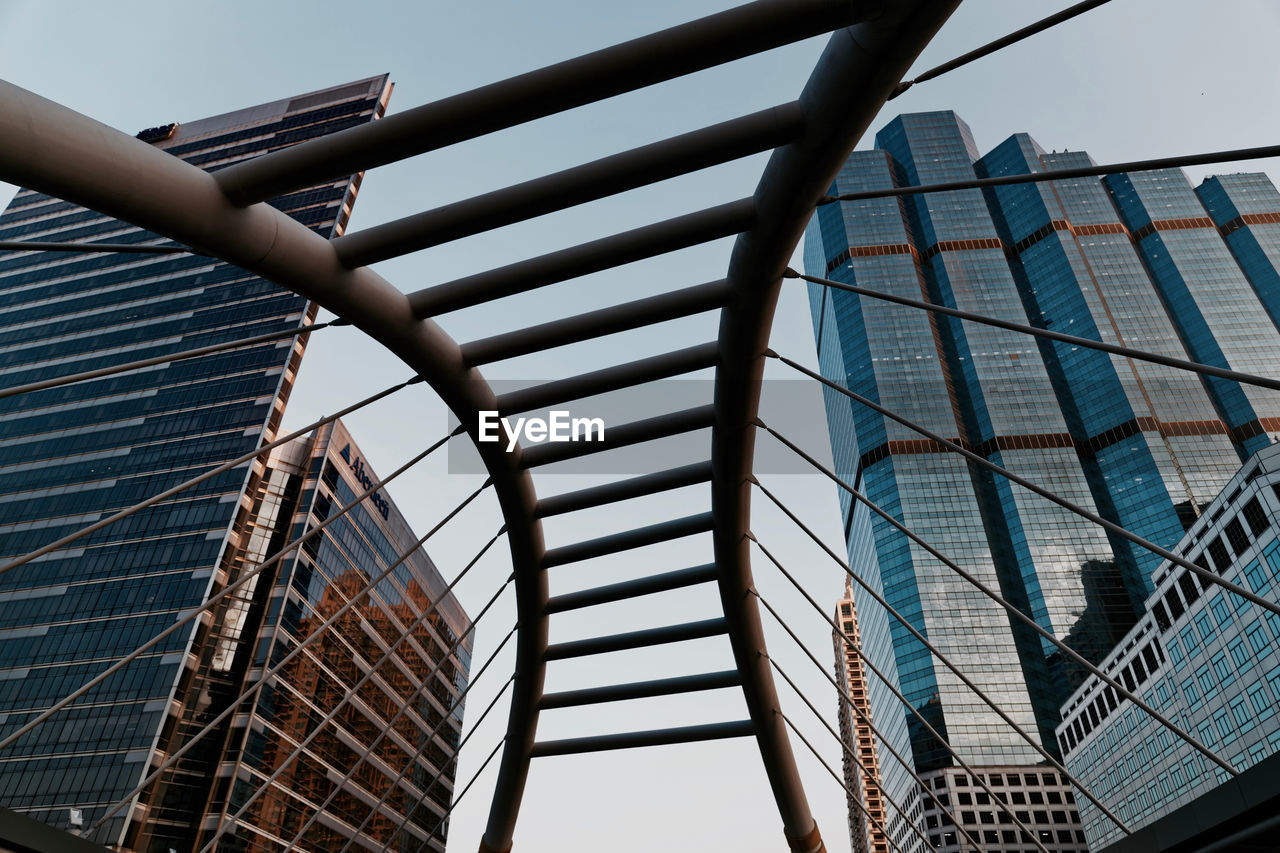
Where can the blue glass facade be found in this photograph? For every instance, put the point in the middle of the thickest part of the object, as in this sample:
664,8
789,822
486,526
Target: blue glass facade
1132,260
80,452
1206,658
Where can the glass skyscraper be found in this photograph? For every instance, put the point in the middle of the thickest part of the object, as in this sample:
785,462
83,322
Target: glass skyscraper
78,453
1138,259
410,771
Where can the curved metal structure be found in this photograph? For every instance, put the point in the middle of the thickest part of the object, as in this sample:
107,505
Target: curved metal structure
54,150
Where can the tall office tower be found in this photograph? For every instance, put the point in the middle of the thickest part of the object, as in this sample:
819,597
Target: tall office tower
1132,259
861,756
78,453
410,633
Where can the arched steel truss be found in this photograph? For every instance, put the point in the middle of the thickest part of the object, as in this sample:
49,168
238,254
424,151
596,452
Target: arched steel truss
51,149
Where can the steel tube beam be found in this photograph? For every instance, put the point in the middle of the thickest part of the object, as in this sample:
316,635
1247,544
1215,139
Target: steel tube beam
680,232
665,55
608,176
867,59
633,588
595,324
57,151
636,639
609,379
649,484
628,540
622,435
656,737
641,689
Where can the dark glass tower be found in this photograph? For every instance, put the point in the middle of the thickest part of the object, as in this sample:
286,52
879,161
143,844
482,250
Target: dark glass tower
1139,259
408,713
76,454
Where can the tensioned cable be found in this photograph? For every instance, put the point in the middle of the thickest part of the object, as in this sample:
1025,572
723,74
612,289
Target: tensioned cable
426,739
34,246
854,798
319,630
1002,42
1074,340
328,718
994,596
987,700
909,767
195,481
475,727
990,703
284,550
1230,156
1111,526
458,799
164,359
995,800
1000,712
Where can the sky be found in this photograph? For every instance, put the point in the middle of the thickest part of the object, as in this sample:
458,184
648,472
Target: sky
1131,80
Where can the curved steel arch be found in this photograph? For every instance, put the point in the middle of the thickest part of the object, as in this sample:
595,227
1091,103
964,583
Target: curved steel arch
57,151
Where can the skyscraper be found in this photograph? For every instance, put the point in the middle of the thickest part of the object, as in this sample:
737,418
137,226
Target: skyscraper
410,633
861,759
1131,259
77,453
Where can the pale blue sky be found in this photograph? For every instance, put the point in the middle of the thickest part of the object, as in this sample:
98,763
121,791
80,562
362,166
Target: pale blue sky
1134,79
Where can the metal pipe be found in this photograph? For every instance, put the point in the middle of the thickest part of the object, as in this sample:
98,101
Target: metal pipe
594,324
52,149
627,540
660,238
632,588
849,84
655,737
641,689
635,487
1002,42
622,435
610,379
598,179
637,639
665,55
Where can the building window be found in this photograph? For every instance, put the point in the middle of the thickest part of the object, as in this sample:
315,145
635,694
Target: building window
1218,554
1261,702
1235,533
1223,669
1255,517
1253,573
1220,611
